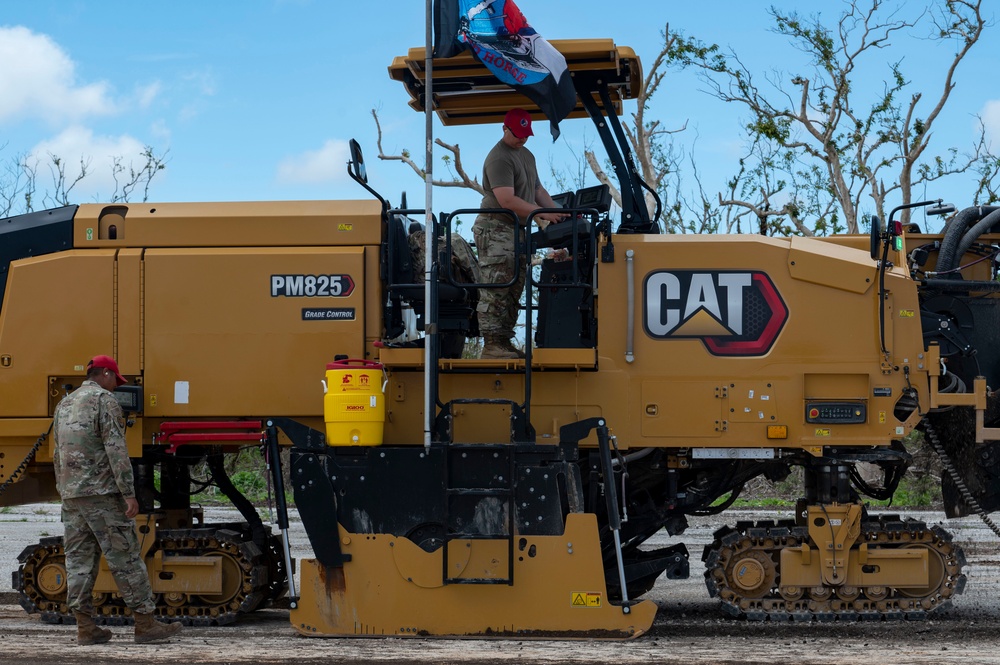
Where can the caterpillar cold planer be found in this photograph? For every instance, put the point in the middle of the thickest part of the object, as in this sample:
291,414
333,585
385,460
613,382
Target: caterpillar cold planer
664,373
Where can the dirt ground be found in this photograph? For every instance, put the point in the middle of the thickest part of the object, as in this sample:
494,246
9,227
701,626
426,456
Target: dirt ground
689,627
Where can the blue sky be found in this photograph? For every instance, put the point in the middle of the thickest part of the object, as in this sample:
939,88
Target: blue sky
256,100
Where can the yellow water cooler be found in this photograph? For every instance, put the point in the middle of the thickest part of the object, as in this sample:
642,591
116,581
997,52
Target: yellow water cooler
354,405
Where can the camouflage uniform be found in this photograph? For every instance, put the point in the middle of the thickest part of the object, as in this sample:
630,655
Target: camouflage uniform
496,236
498,307
94,477
464,270
464,267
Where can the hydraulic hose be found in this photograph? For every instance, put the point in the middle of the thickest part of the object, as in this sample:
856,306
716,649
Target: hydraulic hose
972,235
955,230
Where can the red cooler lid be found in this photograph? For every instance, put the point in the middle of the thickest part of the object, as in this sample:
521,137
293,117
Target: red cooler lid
347,364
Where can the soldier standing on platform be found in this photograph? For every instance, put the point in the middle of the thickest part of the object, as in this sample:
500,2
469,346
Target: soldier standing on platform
511,181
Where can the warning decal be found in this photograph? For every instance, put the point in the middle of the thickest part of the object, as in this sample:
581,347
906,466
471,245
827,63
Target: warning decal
583,599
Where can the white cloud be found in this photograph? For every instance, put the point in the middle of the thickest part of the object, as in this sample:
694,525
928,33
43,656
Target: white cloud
96,152
147,93
203,80
39,79
326,165
991,120
160,132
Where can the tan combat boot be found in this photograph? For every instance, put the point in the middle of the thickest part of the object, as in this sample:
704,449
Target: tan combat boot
87,632
509,345
497,348
148,629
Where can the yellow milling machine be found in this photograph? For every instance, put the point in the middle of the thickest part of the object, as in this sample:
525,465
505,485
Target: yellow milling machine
665,373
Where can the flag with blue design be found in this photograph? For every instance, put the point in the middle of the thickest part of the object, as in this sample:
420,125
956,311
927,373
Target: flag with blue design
500,37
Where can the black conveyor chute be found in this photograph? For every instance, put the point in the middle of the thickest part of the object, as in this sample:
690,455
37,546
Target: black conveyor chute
34,234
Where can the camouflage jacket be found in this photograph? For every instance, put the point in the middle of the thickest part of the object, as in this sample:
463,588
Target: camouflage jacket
464,266
90,455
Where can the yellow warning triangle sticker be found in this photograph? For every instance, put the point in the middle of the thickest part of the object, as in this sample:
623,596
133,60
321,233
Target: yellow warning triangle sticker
579,600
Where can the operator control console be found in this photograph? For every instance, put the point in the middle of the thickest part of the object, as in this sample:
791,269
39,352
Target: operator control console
565,299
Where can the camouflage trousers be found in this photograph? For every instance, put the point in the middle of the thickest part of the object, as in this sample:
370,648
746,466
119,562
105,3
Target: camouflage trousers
498,307
95,524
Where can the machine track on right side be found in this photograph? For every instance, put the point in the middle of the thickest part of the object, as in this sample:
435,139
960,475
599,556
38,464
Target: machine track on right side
742,569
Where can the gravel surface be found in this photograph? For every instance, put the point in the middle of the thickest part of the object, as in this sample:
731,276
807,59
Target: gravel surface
689,627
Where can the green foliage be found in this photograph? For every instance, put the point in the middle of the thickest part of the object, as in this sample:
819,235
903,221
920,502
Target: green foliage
251,484
771,128
987,171
919,488
245,469
764,502
821,141
683,51
912,495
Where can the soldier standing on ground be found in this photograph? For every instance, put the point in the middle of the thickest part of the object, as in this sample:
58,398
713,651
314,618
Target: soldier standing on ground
511,181
94,479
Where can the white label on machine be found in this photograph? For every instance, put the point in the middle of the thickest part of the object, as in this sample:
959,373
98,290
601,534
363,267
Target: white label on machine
181,392
733,453
374,399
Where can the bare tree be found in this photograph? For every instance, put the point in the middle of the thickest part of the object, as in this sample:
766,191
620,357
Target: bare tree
19,180
61,185
453,162
987,168
827,145
128,180
16,184
656,156
574,176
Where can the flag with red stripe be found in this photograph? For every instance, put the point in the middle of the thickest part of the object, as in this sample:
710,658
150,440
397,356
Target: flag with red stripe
502,39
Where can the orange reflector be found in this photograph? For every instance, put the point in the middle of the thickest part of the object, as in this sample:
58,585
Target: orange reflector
777,431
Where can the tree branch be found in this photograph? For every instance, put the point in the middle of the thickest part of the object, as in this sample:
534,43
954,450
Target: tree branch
463,179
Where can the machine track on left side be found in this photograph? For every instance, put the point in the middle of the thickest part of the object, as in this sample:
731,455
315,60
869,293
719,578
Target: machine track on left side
251,577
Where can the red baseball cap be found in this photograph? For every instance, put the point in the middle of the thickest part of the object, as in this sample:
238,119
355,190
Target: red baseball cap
519,123
107,362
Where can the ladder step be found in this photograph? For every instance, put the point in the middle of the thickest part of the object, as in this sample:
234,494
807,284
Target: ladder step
467,467
480,491
477,580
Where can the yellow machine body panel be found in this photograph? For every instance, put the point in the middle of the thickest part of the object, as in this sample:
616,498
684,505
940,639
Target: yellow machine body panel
197,302
228,224
200,300
817,341
558,593
63,303
258,312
